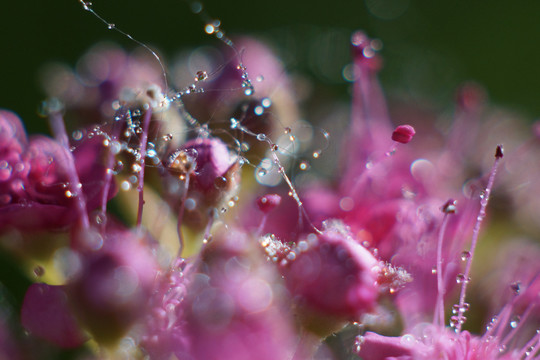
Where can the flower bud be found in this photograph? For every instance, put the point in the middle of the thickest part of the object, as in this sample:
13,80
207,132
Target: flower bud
332,275
403,134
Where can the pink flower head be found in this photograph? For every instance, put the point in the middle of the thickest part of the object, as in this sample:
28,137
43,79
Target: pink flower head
403,134
34,178
111,291
332,274
203,175
229,308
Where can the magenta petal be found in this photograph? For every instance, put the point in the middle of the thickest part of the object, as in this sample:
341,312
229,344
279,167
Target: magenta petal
46,314
376,347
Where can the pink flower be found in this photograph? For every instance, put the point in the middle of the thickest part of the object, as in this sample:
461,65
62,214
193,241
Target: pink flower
111,291
228,306
331,274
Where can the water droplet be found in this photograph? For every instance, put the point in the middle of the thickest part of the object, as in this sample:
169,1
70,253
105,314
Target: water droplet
261,137
69,194
39,271
460,278
262,172
111,26
196,7
304,165
465,255
358,342
190,204
100,218
287,130
259,110
151,153
77,135
516,287
407,340
266,102
220,182
316,154
209,29
275,147
248,92
87,5
201,76
244,147
136,168
514,322
125,185
259,78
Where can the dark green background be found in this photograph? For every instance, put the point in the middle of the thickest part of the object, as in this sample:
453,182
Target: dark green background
428,51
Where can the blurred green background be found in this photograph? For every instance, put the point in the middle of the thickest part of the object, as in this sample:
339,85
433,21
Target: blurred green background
430,47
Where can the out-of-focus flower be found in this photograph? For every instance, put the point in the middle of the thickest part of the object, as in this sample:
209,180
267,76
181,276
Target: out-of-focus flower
226,305
111,291
375,250
35,182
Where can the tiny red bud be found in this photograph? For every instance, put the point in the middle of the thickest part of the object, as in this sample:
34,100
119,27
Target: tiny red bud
403,134
268,202
499,152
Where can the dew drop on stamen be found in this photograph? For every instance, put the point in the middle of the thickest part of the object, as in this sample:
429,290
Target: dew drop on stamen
261,137
515,287
201,75
460,278
244,147
259,110
465,255
136,168
316,154
125,185
514,322
111,26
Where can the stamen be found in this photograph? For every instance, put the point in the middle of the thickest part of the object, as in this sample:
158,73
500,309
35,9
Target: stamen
476,232
140,186
58,128
448,208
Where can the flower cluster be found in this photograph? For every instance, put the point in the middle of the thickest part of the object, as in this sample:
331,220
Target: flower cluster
167,225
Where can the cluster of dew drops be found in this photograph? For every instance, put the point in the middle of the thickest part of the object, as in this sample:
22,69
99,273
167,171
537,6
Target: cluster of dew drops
270,171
